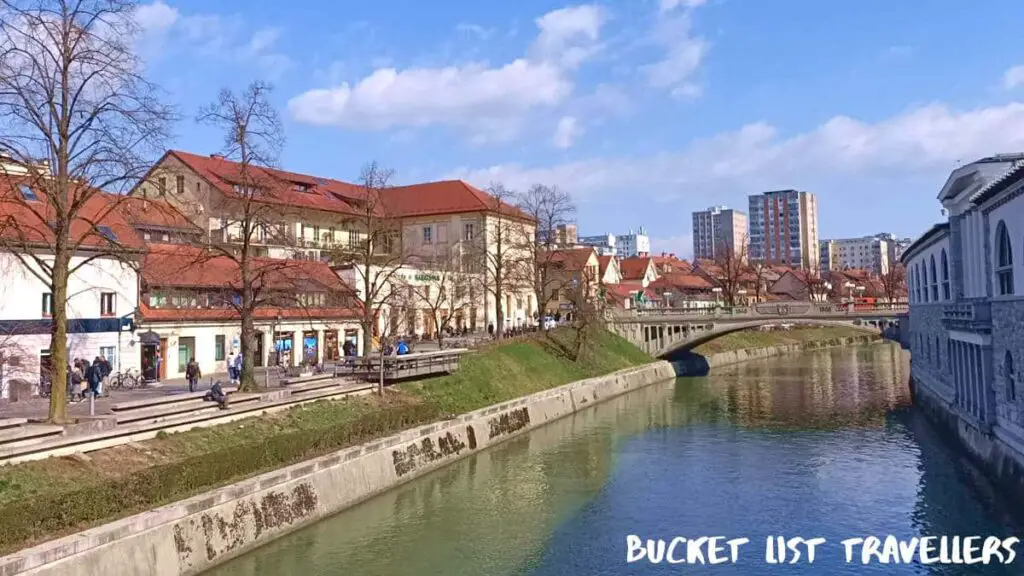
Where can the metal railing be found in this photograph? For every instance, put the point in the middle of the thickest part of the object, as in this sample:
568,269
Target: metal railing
769,309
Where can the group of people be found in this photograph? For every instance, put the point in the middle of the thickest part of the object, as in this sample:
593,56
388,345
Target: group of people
234,368
87,378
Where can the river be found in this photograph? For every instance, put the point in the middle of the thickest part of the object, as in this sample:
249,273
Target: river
822,444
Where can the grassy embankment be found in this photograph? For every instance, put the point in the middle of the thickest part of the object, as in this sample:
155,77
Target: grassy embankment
751,339
46,499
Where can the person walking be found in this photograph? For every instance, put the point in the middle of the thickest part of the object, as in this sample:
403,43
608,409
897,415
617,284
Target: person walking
193,374
94,374
231,367
105,370
238,369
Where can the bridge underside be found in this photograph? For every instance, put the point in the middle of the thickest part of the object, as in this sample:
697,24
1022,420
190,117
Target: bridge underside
662,339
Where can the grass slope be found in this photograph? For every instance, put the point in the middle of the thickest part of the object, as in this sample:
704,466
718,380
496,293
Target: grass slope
50,498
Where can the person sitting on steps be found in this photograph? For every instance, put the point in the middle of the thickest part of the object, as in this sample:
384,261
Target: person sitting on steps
217,394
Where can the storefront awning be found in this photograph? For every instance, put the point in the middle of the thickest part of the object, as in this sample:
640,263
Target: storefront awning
149,337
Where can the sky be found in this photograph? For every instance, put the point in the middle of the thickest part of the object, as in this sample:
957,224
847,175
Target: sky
644,110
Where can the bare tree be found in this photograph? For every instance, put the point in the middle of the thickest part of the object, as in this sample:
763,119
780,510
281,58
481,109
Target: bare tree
818,287
759,271
588,310
499,252
444,291
253,138
894,283
77,117
549,208
377,255
730,269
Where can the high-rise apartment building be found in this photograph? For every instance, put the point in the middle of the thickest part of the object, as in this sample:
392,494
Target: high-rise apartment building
634,244
719,228
867,253
605,244
784,228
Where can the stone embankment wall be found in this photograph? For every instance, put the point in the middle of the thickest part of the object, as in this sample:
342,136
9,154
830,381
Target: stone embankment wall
697,365
192,535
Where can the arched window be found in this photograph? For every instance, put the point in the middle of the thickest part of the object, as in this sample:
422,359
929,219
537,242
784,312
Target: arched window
938,353
945,276
1011,385
934,280
915,286
922,275
1004,259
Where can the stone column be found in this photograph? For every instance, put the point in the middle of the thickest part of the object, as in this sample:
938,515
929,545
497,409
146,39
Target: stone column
988,382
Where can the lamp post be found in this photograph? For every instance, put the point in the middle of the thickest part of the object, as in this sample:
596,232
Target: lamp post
850,286
828,290
743,296
717,292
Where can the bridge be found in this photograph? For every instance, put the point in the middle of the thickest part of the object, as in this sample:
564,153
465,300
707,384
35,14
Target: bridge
661,331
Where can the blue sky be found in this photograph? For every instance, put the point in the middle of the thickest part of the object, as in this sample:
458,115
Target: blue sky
645,110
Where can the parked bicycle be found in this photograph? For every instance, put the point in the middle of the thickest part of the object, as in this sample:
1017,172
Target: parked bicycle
126,380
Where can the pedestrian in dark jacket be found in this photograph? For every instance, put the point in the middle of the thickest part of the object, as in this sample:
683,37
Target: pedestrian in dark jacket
193,374
94,375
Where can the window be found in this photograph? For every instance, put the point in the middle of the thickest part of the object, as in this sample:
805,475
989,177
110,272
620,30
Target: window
353,237
107,233
316,233
467,231
162,185
938,353
108,353
922,280
428,235
1011,385
108,304
218,347
179,184
945,276
27,193
934,281
1004,260
47,305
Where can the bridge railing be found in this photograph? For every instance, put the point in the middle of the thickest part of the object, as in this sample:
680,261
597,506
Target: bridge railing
764,309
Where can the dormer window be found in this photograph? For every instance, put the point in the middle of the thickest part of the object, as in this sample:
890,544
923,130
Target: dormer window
28,193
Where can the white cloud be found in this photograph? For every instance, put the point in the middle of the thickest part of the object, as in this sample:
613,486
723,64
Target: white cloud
165,28
566,132
1013,77
925,141
569,36
425,96
670,5
683,55
156,17
491,101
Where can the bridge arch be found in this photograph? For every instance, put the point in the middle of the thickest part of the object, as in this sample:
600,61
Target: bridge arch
869,327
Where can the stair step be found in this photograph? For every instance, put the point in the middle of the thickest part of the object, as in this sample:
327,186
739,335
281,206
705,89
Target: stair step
144,403
158,413
12,422
28,434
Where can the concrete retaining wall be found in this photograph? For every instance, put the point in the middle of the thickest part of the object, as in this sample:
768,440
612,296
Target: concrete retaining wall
735,356
192,535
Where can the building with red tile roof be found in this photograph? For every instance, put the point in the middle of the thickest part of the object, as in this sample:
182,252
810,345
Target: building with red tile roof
639,269
608,270
317,218
189,299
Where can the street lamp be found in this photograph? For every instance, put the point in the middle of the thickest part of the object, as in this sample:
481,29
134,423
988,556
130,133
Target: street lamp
717,291
850,286
742,294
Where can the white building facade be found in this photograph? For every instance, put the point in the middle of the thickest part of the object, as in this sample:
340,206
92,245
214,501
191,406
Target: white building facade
718,227
605,244
867,253
634,244
103,297
966,322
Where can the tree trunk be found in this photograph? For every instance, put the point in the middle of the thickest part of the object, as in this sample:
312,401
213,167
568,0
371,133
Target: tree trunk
380,382
59,337
247,379
440,332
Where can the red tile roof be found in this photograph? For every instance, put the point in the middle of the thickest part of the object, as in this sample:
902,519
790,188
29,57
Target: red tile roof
682,281
634,268
281,187
445,197
148,213
571,259
277,187
184,266
25,222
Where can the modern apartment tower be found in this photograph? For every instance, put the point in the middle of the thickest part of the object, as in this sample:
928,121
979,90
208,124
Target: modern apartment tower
784,228
868,253
719,228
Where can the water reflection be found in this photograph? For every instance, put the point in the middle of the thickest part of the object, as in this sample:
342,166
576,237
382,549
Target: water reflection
820,444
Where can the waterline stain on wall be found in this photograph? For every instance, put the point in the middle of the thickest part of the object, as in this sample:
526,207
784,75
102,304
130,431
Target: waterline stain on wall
509,422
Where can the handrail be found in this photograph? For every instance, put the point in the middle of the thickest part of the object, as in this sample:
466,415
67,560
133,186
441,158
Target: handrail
783,309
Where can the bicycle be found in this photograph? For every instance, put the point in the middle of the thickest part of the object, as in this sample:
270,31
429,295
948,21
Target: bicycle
126,380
